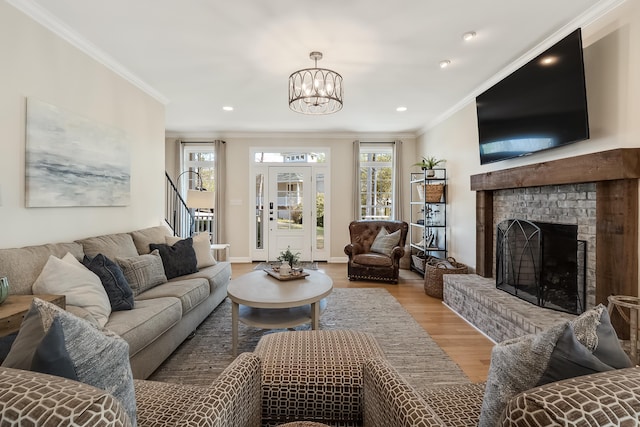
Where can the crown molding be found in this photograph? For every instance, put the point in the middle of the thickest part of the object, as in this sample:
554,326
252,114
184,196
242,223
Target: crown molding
211,135
62,30
587,18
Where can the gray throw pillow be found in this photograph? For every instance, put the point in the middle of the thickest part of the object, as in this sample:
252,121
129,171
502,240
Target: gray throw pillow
385,242
99,357
143,272
522,363
178,259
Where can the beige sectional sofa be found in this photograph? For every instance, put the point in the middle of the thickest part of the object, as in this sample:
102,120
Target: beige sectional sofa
163,316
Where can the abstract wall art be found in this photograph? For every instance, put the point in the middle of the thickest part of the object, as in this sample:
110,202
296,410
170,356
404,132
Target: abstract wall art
74,161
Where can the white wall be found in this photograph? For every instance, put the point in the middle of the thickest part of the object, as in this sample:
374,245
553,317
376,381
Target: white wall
240,216
612,67
37,63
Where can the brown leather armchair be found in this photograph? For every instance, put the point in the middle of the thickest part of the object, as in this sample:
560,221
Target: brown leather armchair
367,265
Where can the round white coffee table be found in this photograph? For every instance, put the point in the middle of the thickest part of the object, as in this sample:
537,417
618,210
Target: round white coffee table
262,301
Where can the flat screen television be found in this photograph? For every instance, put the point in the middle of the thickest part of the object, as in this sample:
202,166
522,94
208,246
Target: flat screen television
540,106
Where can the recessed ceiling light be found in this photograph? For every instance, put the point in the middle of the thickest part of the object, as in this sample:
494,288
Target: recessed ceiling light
401,109
549,60
469,35
445,63
227,108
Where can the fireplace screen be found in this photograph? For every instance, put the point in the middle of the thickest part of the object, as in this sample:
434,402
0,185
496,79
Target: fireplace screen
542,263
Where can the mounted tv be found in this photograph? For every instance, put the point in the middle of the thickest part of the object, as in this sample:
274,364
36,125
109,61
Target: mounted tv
540,106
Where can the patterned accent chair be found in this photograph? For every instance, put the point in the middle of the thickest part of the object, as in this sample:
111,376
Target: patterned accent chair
365,264
233,399
609,398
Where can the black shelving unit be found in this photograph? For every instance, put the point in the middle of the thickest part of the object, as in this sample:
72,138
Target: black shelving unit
428,222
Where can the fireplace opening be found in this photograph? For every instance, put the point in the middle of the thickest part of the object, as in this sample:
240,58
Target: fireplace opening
542,263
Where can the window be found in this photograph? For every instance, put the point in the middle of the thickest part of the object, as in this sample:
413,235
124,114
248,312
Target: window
201,160
376,181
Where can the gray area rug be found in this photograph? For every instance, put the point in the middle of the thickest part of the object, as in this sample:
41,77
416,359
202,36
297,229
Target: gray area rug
305,264
406,344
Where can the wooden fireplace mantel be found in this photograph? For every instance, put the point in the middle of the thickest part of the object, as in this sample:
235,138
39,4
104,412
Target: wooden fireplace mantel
616,173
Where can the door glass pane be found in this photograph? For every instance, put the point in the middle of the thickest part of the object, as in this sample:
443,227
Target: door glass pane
320,211
260,211
289,199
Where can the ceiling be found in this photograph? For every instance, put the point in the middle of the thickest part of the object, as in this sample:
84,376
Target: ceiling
201,55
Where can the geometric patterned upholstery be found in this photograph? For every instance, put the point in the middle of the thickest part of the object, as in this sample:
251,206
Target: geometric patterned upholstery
233,399
457,405
30,398
390,401
314,375
608,398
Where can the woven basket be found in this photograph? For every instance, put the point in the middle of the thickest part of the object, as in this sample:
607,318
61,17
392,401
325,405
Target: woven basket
434,269
418,261
433,192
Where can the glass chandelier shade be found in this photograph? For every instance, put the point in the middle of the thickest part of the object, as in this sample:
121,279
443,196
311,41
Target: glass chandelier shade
315,90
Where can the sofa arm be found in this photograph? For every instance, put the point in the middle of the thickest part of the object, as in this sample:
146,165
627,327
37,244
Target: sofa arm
233,399
353,249
52,400
607,398
390,401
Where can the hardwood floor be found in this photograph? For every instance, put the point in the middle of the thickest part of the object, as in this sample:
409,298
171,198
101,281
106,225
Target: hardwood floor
467,347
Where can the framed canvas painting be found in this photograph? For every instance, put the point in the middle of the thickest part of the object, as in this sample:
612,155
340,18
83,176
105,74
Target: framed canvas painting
74,161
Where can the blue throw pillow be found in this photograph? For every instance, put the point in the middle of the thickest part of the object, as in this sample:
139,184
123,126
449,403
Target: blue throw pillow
112,278
51,356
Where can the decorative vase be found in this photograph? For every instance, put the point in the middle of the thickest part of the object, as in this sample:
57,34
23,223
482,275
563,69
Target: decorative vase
285,269
431,173
4,289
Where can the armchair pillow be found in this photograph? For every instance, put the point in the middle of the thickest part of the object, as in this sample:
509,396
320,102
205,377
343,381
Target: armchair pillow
385,242
80,286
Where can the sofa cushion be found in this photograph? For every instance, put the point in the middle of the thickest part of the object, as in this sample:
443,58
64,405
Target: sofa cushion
143,238
373,259
22,266
218,275
98,356
202,248
522,363
109,245
178,259
148,320
113,280
190,292
80,286
385,242
143,271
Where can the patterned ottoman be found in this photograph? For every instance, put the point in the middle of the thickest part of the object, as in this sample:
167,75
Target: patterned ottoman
314,375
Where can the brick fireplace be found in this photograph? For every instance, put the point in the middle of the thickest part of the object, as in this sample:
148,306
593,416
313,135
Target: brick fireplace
598,192
608,180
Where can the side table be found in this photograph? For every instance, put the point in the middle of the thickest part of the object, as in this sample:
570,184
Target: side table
14,308
219,247
627,308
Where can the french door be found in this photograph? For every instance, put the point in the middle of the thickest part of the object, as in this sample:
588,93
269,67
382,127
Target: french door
289,211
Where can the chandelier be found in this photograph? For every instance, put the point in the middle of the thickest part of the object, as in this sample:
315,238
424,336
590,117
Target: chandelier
315,90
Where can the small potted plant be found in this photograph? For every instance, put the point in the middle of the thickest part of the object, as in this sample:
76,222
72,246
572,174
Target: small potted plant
289,257
428,163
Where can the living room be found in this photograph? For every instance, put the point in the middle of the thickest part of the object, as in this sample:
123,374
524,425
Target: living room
44,65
